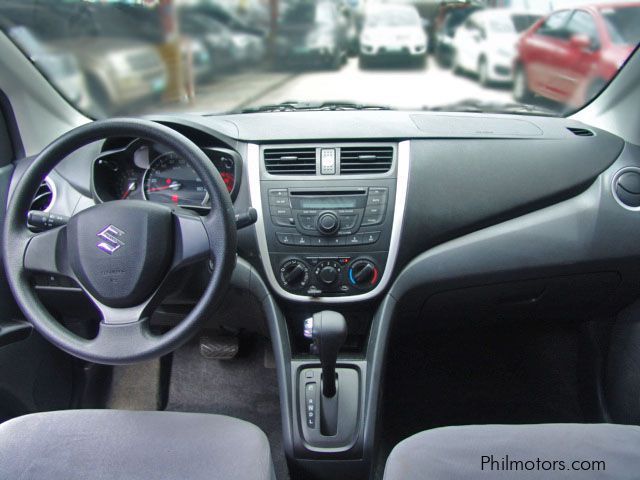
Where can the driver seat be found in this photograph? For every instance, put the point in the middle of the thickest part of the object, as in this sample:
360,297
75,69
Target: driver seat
128,445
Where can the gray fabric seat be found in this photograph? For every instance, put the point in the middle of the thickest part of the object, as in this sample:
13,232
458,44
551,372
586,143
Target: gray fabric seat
126,445
456,453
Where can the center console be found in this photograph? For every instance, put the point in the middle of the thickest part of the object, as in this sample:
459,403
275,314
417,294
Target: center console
329,222
329,217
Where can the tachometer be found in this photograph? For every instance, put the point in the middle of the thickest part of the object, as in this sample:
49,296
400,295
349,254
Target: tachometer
171,179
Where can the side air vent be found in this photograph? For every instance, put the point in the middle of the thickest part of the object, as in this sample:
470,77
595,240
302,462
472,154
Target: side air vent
362,160
44,197
290,161
581,132
626,187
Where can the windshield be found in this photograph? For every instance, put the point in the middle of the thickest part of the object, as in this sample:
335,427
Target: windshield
139,57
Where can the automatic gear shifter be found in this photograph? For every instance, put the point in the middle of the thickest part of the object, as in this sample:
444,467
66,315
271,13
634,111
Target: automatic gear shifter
328,330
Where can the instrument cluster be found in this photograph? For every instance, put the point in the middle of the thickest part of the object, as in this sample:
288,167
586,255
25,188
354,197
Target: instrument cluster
147,171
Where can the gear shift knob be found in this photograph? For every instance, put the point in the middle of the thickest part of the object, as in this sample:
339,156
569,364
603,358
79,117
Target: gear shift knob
328,330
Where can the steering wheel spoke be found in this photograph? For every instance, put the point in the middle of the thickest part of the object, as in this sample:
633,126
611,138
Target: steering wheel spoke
126,337
46,253
191,240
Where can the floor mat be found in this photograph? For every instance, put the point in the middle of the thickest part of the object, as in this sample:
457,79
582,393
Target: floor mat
135,387
524,373
243,388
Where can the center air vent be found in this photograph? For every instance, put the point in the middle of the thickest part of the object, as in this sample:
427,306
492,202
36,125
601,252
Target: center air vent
363,160
43,198
290,161
580,132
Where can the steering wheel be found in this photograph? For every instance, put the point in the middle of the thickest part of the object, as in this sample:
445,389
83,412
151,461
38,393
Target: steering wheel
122,253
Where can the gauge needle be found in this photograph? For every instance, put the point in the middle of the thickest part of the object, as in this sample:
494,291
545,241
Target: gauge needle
130,188
173,186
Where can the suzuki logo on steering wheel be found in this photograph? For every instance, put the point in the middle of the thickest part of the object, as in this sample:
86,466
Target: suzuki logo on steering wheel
110,239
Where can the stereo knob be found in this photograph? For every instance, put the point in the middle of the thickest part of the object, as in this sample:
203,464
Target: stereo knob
328,223
294,274
363,273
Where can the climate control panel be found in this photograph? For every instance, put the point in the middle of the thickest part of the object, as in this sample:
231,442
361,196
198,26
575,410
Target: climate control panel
315,276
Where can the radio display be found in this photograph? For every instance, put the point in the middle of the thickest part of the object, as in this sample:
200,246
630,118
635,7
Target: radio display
313,203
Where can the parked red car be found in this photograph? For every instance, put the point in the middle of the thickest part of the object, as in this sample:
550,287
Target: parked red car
570,55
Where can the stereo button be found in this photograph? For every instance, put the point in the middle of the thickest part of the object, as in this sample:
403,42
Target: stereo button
316,241
307,222
370,237
374,211
278,192
354,239
279,201
281,211
334,241
302,240
283,221
348,221
285,238
373,216
369,220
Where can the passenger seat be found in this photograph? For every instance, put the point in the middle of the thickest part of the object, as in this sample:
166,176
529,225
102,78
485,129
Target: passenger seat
570,451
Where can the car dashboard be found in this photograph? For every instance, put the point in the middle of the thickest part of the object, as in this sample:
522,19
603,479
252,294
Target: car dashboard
350,204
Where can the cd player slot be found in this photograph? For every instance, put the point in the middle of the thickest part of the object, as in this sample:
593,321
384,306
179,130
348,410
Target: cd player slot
314,193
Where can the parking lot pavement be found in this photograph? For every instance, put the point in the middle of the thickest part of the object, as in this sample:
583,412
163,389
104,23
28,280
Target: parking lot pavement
404,88
400,88
231,92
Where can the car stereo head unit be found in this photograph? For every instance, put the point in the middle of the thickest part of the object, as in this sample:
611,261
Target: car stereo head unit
331,212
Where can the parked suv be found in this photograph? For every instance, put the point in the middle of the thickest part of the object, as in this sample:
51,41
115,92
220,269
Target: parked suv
570,55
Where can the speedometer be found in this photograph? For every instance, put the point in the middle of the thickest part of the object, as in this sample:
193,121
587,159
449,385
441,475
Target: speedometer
171,179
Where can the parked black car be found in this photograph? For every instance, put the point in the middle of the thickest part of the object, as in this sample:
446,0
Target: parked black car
312,35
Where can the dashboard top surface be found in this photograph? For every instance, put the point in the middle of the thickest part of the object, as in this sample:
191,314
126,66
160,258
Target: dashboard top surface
345,125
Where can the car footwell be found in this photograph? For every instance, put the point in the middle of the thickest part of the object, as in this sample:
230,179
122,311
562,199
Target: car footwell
245,387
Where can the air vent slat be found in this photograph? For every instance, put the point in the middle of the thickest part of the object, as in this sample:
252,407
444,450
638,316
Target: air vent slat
363,160
581,132
290,161
43,198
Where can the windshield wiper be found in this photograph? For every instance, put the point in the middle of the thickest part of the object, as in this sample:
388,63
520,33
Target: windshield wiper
478,106
312,106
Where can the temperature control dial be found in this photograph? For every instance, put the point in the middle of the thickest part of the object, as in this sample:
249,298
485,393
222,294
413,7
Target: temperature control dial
363,274
294,274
